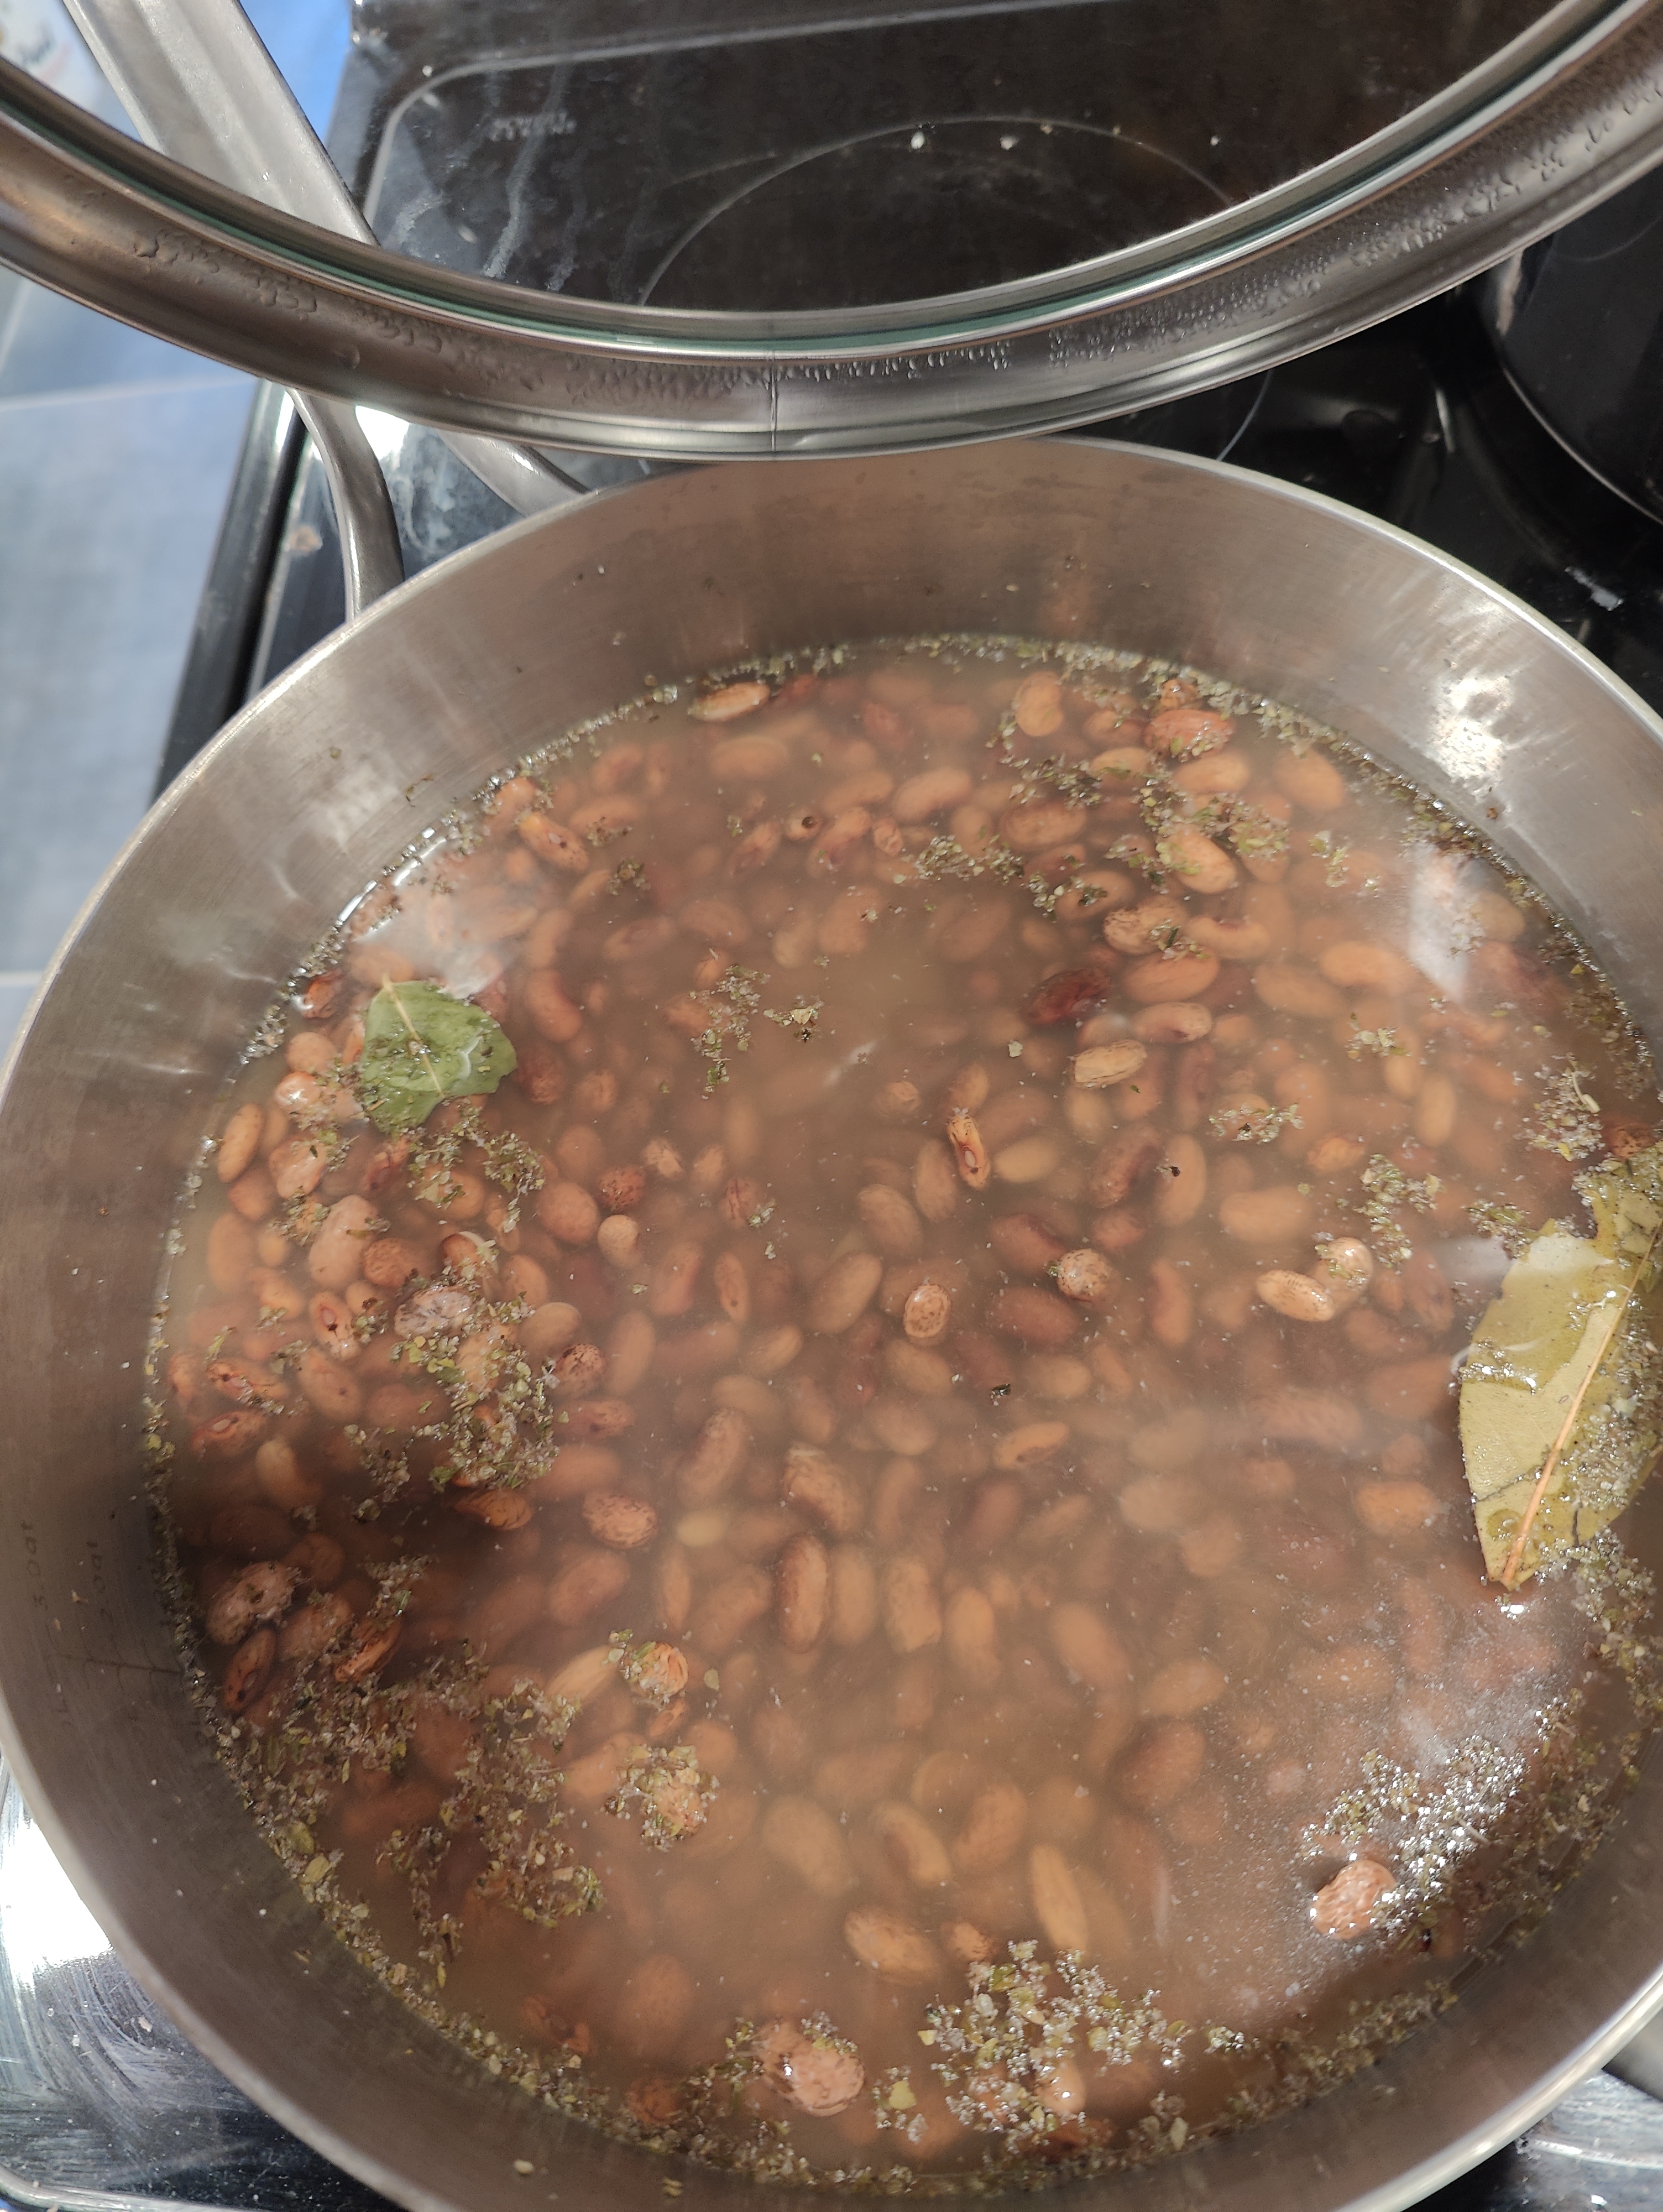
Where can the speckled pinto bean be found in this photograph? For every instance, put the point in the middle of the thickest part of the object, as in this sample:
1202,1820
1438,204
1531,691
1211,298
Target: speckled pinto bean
843,1292
892,1949
919,1418
802,1583
970,1627
912,1609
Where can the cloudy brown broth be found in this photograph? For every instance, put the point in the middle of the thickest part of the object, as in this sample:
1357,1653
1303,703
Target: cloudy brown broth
865,1568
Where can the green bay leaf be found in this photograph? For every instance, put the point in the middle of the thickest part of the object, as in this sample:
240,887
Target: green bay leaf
422,1045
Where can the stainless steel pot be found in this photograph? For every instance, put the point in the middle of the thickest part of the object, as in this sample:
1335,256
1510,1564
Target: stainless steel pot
275,827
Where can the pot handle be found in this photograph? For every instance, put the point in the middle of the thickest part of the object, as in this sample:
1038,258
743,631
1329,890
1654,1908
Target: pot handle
372,559
199,86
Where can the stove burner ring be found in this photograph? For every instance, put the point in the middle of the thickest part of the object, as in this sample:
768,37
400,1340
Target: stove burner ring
915,211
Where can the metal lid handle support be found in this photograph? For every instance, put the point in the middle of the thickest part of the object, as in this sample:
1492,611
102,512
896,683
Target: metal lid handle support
199,85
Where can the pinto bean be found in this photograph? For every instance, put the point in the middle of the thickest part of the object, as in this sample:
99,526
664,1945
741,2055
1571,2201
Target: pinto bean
388,1263
620,1521
914,1844
1358,965
805,1839
935,1181
731,701
852,1596
935,791
891,1221
1170,1304
585,1581
1172,1021
1102,1066
282,1479
1180,1183
911,1607
551,841
569,1213
328,1387
1032,1315
629,1352
711,1467
802,1586
230,1254
1166,1764
1311,780
1396,1509
1087,1647
1437,1111
1058,1905
895,1951
1277,1215
240,1142
844,1292
1288,989
502,1510
618,1240
1086,1278
673,1283
994,1825
1296,1296
734,1606
970,1156
1122,1164
369,1646
1185,731
1034,1443
314,1628
1162,977
1205,867
249,1670
1188,1685
816,1485
260,1593
1025,1244
1350,1904
928,1310
336,1253
970,1630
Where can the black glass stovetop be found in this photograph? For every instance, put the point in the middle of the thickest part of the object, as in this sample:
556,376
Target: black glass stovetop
103,2105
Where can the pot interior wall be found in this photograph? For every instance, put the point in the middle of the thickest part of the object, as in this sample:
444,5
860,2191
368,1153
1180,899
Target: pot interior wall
333,771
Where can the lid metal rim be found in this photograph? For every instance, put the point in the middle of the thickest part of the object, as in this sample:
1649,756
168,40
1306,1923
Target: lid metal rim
124,243
1468,111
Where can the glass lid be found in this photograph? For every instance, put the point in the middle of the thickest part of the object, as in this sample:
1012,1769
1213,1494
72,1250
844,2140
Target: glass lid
691,228
808,158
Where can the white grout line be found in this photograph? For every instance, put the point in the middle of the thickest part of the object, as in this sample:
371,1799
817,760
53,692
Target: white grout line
228,381
21,978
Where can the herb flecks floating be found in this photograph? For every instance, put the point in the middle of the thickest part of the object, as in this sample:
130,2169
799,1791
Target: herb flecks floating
422,1045
1562,1393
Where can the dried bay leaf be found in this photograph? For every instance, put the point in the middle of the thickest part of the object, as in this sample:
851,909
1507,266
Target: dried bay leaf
1562,1391
422,1045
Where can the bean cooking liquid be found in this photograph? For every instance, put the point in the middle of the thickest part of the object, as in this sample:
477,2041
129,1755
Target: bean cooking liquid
866,1569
